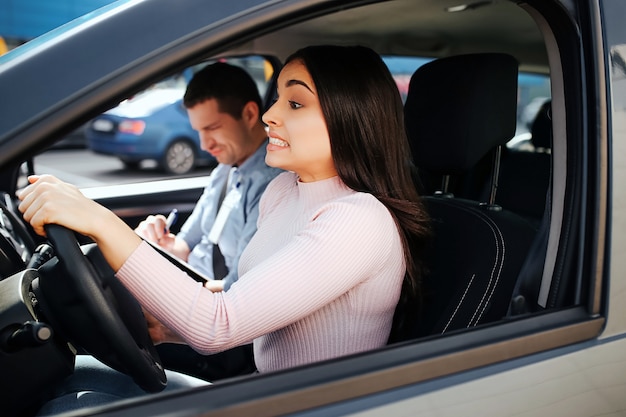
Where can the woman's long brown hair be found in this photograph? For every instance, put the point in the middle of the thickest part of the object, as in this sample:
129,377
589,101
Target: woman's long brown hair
365,119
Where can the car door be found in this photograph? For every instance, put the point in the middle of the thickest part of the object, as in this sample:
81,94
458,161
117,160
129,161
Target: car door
563,355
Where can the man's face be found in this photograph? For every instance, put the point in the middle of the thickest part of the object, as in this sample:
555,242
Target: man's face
226,138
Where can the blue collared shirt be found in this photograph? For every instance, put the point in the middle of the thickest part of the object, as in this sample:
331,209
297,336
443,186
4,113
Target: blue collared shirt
251,177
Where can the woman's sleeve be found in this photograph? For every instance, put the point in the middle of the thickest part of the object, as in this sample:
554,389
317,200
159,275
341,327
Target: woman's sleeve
347,241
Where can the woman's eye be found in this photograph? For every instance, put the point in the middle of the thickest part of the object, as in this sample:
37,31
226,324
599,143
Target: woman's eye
294,105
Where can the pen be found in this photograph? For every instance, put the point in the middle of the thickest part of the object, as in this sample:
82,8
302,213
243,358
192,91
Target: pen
171,219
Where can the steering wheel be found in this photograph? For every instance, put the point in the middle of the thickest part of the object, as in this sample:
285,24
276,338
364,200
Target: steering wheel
89,307
16,243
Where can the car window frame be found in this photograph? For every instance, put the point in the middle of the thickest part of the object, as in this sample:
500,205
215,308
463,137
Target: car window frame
425,360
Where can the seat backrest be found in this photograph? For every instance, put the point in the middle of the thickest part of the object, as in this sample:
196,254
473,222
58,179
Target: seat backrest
458,111
525,174
541,128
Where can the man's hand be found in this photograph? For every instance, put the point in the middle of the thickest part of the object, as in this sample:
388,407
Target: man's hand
214,285
153,230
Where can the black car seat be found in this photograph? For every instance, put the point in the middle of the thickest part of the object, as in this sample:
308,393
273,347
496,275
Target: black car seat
541,129
459,111
525,174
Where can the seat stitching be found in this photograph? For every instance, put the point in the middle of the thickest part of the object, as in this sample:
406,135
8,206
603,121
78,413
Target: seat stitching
495,285
499,260
469,284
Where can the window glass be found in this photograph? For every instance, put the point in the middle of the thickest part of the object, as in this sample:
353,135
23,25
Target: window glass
402,68
533,91
129,142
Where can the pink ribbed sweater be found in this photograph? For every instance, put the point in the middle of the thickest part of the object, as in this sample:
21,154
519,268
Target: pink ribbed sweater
320,279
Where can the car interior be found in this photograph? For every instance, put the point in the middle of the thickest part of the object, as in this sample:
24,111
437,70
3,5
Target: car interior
488,241
506,219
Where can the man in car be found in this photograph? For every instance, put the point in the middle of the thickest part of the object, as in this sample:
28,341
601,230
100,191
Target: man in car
224,106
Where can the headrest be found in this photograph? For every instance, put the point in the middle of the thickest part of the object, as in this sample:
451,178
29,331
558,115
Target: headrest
541,129
459,108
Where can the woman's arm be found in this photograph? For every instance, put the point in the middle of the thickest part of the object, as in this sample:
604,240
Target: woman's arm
321,263
48,200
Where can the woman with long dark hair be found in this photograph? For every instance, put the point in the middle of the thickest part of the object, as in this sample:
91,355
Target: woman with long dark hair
338,238
364,117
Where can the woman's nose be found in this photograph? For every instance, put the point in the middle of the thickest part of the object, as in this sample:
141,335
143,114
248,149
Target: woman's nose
269,116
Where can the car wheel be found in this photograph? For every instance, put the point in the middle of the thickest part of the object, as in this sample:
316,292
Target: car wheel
179,158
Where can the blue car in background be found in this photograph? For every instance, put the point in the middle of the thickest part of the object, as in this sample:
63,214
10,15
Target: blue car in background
152,125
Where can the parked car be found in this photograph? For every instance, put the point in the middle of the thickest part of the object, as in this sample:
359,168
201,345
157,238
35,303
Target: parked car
545,335
152,125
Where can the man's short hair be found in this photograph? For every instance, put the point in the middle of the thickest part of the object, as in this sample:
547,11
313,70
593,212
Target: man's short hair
230,85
